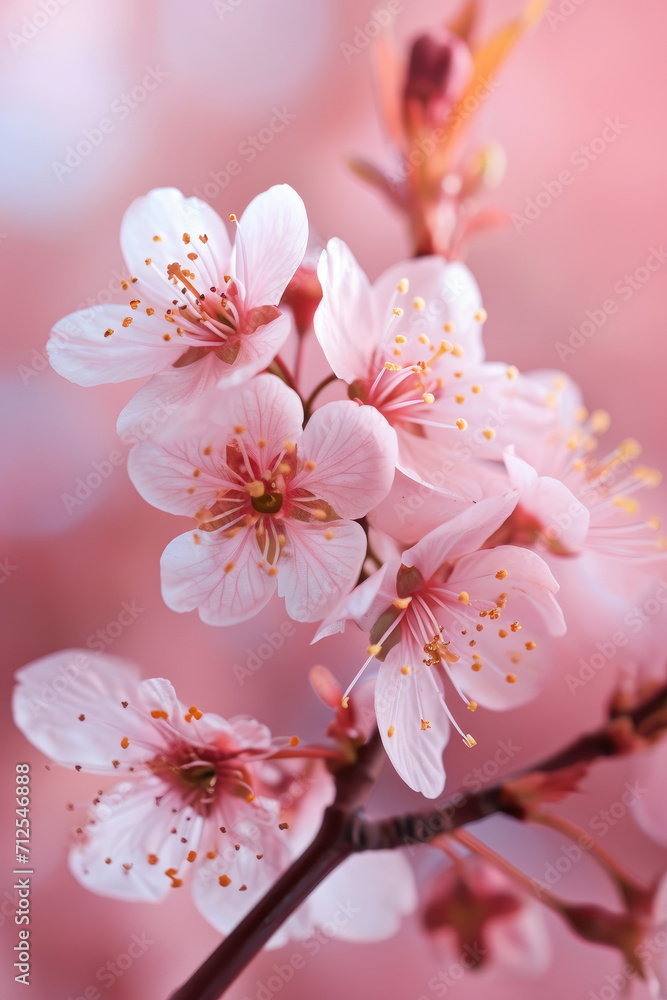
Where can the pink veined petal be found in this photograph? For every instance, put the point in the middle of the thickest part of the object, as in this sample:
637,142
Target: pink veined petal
346,322
270,244
223,906
133,821
257,351
265,407
79,350
166,393
528,576
451,295
403,701
319,564
164,472
551,503
362,605
167,213
462,534
70,706
196,575
374,892
354,451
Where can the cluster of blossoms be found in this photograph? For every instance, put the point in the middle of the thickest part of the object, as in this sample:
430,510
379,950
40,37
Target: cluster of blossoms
464,516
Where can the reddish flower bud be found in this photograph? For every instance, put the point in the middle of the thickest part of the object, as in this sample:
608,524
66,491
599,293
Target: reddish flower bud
439,68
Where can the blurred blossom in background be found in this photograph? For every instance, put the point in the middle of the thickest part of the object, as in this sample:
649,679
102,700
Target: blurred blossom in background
104,101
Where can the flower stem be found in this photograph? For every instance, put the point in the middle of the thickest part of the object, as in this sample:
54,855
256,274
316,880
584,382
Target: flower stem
307,406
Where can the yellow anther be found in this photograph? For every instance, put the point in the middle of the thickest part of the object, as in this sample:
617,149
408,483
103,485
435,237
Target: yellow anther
629,504
511,678
374,649
229,567
469,741
391,731
476,389
425,725
401,602
530,645
472,705
501,574
397,311
489,433
462,424
512,372
600,421
419,303
256,488
405,670
428,397
403,286
464,597
481,315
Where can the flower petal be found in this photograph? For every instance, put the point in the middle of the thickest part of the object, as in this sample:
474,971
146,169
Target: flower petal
318,565
401,703
270,244
354,450
196,574
450,293
168,214
346,322
79,350
257,351
165,393
462,534
564,518
135,822
76,706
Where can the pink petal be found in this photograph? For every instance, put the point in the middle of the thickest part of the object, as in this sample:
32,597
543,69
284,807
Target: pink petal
354,451
363,605
194,576
163,472
402,702
346,322
464,533
166,393
264,406
378,889
451,295
132,822
79,350
166,213
270,244
551,503
315,571
54,692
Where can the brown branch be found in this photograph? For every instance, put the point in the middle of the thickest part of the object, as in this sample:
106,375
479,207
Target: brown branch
345,831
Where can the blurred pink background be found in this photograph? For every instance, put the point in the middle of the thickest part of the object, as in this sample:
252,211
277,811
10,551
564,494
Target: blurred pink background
219,71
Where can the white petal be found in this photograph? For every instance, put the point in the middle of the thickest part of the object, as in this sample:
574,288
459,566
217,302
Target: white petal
194,576
54,692
79,350
315,571
270,244
354,451
346,322
166,213
402,702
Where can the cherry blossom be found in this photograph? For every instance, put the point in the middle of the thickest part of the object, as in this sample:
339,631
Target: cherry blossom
200,309
218,800
448,613
482,919
274,503
420,360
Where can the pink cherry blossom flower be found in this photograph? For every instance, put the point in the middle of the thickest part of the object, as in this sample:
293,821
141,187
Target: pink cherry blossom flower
422,365
449,614
218,800
200,309
274,503
571,500
485,922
